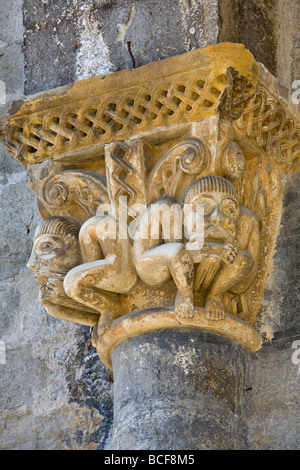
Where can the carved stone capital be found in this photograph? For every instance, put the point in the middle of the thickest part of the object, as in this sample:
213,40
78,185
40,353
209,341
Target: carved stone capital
160,190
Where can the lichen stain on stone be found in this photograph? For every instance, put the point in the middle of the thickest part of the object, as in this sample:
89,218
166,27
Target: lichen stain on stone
216,379
93,54
184,358
123,28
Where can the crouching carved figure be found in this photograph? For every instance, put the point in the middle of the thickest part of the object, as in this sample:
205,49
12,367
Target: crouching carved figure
81,271
221,260
55,251
107,268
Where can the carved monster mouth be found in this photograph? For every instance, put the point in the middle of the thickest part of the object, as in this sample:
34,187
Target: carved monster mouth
42,271
217,234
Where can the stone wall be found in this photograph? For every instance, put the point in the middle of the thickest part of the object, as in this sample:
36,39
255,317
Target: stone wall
54,391
269,29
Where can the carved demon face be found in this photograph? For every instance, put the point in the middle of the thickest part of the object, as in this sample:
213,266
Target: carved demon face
220,207
221,214
55,251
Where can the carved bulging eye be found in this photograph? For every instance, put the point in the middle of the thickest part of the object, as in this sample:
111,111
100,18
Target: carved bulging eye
46,246
230,210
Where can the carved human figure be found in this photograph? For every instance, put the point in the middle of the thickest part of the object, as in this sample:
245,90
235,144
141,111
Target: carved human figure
227,261
221,260
107,269
160,254
56,251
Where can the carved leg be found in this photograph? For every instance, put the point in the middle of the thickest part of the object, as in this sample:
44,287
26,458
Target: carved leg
104,322
153,266
86,283
236,278
182,270
114,311
167,261
114,273
71,314
79,288
205,273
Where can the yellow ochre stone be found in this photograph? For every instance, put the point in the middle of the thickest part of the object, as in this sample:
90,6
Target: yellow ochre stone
207,128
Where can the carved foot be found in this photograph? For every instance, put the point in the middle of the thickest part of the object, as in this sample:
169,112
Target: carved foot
214,309
184,306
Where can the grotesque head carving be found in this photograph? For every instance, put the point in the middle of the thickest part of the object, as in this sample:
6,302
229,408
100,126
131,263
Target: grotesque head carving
232,162
220,207
55,248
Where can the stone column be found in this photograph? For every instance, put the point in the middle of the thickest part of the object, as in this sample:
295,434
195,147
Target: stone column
178,390
160,190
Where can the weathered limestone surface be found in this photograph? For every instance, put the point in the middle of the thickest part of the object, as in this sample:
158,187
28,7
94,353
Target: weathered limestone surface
11,48
76,409
83,39
194,381
271,396
269,28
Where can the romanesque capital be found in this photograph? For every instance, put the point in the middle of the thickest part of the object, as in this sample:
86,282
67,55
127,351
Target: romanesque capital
160,192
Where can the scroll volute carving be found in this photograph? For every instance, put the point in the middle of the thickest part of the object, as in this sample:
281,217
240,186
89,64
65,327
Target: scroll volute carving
73,193
177,168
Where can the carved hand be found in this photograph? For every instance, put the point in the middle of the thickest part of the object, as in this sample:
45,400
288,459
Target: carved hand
52,290
211,250
229,252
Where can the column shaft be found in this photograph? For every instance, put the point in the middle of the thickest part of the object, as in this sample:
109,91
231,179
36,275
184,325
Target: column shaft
178,390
